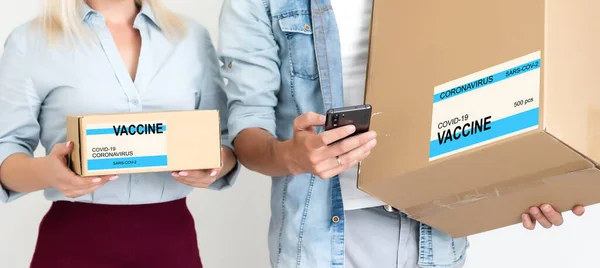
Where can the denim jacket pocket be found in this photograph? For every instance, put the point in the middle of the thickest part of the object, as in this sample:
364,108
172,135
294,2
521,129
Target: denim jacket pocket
299,35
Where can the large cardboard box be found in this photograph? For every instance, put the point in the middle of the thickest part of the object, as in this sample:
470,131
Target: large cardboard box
483,109
144,142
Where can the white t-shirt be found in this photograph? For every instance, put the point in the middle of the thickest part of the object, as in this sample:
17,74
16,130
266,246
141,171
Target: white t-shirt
354,22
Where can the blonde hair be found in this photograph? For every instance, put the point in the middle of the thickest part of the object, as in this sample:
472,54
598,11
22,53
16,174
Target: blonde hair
62,19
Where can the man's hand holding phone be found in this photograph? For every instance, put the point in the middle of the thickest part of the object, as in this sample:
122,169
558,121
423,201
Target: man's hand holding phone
326,154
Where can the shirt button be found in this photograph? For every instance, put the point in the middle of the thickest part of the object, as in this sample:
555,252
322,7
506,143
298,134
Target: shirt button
135,102
229,65
335,219
389,208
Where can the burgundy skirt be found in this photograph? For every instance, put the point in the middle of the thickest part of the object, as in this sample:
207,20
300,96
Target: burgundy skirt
76,235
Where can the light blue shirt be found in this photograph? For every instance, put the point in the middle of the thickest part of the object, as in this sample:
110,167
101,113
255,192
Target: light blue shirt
282,58
41,84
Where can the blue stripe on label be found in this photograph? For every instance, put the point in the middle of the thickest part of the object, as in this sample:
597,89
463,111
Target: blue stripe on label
106,131
486,81
497,129
127,162
99,131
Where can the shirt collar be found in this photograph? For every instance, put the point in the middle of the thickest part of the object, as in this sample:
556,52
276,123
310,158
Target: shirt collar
86,11
147,11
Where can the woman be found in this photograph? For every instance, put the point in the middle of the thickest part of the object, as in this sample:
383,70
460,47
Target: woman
105,56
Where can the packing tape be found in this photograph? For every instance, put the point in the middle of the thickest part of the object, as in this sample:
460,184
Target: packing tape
594,134
493,191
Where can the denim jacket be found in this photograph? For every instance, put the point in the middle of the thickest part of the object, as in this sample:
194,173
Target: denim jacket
282,59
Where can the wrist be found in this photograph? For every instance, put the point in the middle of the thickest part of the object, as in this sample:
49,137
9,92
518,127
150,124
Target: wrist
228,161
38,165
282,153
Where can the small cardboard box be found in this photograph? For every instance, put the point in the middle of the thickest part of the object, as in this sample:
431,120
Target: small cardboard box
483,109
144,142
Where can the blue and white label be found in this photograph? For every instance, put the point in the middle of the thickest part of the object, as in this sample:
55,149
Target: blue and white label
126,145
485,107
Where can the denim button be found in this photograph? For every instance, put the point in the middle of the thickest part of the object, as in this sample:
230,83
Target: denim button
335,219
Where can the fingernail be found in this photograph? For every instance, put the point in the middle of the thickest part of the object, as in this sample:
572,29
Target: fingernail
350,129
533,211
372,143
69,144
96,180
546,208
214,173
322,119
183,173
524,218
174,174
113,178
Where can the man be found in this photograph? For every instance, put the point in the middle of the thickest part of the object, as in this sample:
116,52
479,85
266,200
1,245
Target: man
287,63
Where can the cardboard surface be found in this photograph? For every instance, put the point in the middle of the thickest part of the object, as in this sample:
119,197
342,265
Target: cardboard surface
483,109
144,142
572,80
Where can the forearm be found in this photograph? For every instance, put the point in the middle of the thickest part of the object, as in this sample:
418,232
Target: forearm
259,151
19,173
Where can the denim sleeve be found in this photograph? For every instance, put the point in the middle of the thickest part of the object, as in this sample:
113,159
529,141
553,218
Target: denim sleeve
19,105
249,54
212,97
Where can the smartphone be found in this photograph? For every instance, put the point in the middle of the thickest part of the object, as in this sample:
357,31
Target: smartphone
359,116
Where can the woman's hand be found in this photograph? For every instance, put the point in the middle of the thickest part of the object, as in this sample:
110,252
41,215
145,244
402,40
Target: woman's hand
546,216
54,170
197,178
204,178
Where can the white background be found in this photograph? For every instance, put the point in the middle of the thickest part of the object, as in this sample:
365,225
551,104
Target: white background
232,225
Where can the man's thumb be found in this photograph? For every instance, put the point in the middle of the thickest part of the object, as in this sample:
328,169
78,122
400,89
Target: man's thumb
62,149
309,120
